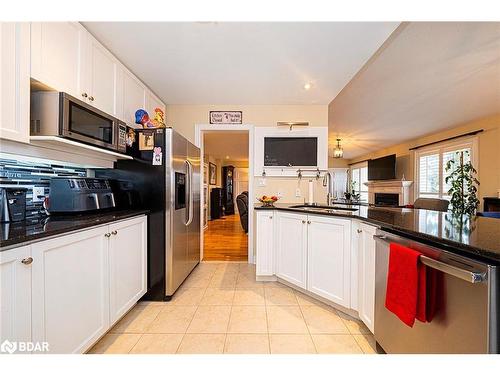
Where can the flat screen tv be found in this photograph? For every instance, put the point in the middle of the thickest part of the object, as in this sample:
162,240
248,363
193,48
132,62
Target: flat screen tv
382,168
294,151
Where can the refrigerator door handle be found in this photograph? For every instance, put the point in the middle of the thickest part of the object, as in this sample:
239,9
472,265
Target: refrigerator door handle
190,192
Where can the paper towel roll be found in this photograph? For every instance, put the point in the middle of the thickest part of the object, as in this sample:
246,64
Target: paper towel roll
311,192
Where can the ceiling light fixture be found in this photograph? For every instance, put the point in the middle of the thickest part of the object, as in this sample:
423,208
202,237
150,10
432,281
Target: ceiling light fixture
307,86
338,152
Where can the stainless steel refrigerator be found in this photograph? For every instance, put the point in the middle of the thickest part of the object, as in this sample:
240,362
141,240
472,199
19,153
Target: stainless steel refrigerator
165,177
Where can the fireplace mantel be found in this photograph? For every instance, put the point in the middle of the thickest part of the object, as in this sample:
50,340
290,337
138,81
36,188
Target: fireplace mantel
400,187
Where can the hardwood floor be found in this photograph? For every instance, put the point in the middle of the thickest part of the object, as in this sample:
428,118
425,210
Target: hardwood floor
225,240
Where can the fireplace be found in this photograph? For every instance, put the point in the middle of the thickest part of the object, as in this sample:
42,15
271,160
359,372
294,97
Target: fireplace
389,192
387,199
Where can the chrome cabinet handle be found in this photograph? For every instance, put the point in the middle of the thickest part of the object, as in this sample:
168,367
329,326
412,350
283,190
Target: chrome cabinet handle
91,98
27,261
359,231
107,235
84,94
308,222
303,221
270,217
114,232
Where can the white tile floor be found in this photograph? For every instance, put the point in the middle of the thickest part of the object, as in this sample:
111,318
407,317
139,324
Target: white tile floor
222,309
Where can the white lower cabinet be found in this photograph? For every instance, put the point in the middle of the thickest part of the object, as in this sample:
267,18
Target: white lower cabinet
366,272
15,294
127,266
70,286
328,258
68,291
265,243
291,248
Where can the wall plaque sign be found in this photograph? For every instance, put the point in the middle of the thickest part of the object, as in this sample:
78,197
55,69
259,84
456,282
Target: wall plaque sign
226,117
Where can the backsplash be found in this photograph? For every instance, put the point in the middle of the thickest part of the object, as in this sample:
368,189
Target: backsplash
29,174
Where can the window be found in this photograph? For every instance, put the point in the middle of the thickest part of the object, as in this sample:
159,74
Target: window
431,163
359,175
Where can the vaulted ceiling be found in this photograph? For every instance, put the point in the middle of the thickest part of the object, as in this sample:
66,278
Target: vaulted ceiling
427,77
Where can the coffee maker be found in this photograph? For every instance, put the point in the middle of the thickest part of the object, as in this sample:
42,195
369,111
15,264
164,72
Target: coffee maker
12,204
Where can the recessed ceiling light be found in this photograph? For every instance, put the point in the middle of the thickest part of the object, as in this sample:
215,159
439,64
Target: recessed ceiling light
307,86
227,156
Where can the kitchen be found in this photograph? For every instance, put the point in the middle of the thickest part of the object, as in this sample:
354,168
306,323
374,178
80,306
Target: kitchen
101,181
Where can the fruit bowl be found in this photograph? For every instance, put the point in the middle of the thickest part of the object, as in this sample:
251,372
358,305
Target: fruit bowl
267,201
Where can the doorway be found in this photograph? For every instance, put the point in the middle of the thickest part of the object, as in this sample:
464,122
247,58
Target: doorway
226,191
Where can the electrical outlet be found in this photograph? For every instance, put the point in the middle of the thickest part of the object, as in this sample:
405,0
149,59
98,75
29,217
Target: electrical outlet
279,194
38,191
262,182
297,193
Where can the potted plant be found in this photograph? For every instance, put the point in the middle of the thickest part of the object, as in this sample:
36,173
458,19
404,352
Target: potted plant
463,184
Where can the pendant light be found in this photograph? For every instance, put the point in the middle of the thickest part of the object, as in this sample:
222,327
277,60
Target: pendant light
338,152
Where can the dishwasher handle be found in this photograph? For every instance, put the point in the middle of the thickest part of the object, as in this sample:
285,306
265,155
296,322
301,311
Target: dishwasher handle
469,276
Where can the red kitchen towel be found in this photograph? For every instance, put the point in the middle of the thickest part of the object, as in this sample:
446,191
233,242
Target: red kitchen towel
406,285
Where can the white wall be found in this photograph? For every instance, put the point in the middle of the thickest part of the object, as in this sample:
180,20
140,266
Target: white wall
184,117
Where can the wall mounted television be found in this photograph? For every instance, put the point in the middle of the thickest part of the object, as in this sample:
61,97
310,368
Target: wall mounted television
382,168
294,151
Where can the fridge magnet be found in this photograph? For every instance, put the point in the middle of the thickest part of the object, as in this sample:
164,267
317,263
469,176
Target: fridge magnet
146,141
130,140
157,156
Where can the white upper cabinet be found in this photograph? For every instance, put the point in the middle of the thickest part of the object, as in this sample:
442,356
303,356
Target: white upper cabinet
14,81
15,294
328,261
58,52
265,243
366,286
291,248
134,96
153,102
66,57
70,286
127,265
101,86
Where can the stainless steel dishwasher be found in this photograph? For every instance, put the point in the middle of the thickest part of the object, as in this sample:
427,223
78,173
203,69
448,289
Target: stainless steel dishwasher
467,319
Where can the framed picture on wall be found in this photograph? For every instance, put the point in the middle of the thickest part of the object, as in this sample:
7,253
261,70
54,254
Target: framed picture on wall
212,173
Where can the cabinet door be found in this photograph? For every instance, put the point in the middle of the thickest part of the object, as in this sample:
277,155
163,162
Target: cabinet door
58,56
127,265
153,102
291,247
102,77
133,97
366,285
15,295
70,283
328,249
14,81
264,244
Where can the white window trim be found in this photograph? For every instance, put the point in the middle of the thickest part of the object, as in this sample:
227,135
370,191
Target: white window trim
359,165
440,148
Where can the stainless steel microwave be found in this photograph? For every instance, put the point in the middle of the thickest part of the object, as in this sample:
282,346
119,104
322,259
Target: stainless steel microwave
60,114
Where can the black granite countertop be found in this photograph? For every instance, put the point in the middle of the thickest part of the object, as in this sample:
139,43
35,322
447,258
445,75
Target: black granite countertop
28,231
476,237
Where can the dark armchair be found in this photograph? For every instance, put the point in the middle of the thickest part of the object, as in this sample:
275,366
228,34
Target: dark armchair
242,203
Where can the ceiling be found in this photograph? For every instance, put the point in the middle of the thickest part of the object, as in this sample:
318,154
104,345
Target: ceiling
231,145
245,62
427,77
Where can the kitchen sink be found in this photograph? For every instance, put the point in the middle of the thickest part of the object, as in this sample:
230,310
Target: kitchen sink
323,208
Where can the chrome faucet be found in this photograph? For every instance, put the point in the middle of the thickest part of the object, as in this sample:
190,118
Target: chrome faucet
327,181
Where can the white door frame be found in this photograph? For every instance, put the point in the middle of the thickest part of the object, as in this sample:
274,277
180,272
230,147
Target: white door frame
199,129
